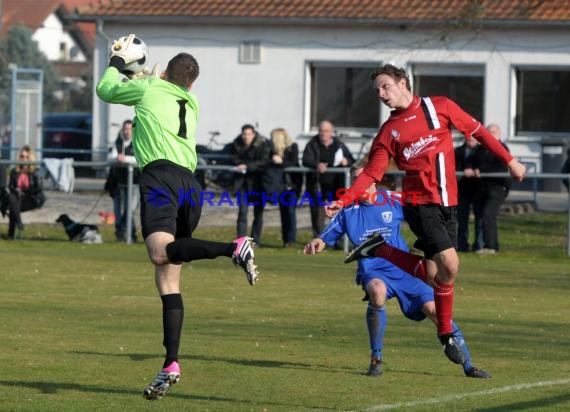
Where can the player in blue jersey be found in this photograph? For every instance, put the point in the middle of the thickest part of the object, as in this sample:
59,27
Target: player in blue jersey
380,279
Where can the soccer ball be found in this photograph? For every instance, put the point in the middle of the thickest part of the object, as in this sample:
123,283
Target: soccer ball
136,52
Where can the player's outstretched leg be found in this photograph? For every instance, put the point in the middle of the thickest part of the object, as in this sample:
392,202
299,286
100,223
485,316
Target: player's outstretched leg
163,382
474,372
469,370
366,249
244,257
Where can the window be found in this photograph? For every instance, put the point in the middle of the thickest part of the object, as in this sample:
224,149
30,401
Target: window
462,84
543,100
343,95
250,52
63,51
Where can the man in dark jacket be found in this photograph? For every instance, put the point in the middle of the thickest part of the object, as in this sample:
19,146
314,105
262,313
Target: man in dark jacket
495,191
469,195
250,154
322,152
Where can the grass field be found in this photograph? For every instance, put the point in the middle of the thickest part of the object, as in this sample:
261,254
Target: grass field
81,330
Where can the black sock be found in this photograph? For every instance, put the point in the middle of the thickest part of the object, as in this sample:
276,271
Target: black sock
172,318
187,249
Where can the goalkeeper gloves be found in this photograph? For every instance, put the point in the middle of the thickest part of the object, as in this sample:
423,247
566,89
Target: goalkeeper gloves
125,51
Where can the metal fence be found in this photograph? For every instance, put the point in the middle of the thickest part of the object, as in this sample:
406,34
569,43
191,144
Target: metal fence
535,177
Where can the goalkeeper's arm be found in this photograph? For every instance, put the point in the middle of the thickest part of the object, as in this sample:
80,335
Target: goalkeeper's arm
111,89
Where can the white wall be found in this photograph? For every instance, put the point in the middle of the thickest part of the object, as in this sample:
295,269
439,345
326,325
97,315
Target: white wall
51,35
272,93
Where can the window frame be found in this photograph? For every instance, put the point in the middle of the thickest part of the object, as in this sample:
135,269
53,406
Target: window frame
451,69
522,135
310,99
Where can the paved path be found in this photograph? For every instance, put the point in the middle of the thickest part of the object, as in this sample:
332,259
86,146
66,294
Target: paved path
87,202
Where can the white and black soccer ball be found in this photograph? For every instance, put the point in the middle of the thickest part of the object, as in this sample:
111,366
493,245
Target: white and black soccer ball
139,50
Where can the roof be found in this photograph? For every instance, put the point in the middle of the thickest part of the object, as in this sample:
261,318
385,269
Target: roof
28,13
395,11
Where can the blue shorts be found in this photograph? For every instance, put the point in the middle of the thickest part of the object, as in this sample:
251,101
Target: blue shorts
412,293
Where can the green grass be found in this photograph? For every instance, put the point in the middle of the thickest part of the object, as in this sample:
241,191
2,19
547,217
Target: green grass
81,330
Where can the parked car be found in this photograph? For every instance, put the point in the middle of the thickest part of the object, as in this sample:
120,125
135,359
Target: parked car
67,135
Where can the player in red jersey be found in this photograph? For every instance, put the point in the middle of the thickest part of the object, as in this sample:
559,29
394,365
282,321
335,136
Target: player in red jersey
418,137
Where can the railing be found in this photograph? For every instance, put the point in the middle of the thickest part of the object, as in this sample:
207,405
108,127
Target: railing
343,170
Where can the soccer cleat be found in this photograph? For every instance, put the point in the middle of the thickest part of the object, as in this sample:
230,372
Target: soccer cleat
163,382
244,257
473,372
366,249
375,368
452,348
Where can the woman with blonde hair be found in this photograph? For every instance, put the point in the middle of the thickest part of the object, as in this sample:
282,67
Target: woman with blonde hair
284,153
25,189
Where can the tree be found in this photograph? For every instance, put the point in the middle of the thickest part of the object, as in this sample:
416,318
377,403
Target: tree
21,50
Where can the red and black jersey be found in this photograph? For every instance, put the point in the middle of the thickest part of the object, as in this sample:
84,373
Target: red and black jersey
420,141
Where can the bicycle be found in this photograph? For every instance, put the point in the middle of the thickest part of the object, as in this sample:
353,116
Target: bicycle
214,153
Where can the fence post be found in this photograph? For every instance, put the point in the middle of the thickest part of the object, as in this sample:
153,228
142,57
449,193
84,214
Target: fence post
568,228
129,214
346,185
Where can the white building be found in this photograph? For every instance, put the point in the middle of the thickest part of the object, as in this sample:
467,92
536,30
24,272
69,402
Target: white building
292,63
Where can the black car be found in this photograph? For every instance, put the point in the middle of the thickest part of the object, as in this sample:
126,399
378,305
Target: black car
67,135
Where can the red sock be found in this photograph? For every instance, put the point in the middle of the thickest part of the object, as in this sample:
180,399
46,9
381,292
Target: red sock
443,295
408,262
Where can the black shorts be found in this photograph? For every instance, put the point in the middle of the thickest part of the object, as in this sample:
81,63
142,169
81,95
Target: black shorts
434,225
170,199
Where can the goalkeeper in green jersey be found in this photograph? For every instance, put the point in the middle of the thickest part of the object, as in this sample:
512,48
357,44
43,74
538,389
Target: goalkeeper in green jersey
165,149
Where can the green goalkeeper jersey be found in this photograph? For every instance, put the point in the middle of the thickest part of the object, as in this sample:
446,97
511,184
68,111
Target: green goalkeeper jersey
165,120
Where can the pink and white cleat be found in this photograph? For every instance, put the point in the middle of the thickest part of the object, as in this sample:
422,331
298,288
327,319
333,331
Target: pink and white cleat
244,257
163,382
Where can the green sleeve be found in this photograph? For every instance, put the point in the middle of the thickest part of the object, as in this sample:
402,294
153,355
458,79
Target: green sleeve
112,89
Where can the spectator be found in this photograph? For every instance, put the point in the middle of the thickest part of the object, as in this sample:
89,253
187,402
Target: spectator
468,195
494,192
25,191
122,152
250,154
284,153
566,169
322,152
3,191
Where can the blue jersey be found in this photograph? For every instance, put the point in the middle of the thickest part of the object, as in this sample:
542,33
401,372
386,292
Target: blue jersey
360,221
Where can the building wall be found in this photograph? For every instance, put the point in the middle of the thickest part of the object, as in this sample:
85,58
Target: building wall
275,92
51,35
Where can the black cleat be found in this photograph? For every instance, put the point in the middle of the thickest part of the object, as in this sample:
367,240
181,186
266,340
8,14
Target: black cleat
452,348
366,249
375,368
473,372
